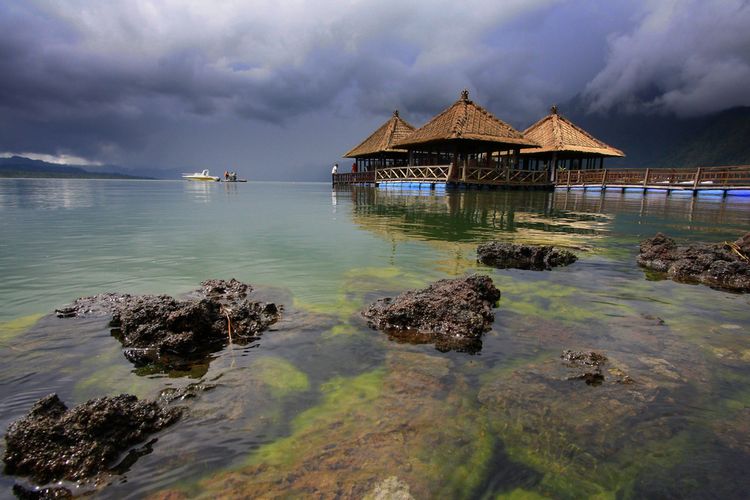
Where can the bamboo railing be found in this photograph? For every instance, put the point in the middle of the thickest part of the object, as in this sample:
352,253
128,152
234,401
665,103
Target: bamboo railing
426,173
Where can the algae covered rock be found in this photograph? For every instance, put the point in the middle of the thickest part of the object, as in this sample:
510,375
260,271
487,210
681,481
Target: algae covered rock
721,265
408,429
513,256
53,443
448,312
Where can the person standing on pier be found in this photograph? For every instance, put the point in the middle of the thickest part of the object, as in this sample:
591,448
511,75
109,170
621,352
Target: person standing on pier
335,168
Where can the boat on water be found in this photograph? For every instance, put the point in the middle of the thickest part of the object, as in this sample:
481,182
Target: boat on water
231,177
203,176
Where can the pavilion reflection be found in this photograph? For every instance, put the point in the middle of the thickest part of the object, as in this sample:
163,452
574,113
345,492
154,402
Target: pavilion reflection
473,215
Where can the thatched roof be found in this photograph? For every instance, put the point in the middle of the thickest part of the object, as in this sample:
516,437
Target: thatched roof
465,120
381,141
558,134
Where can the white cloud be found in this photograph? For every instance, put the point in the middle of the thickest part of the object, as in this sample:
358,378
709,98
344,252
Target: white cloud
61,159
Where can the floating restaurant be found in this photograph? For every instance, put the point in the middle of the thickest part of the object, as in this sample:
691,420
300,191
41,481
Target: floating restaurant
466,145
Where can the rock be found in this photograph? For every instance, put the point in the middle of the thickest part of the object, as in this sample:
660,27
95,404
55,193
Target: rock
391,488
587,364
155,328
722,265
452,313
53,443
534,257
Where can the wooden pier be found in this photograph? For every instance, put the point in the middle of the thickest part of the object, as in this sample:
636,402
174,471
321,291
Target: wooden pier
724,179
695,180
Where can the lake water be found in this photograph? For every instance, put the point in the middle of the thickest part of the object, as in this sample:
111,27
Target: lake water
323,406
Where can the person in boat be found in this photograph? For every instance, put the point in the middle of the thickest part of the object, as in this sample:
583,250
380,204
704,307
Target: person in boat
226,175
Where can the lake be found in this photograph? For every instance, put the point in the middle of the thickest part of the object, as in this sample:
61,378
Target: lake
323,406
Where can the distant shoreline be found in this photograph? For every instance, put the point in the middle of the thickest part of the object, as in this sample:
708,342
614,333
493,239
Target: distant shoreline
53,175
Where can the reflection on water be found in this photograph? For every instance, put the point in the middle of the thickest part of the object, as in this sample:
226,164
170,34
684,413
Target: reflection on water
473,216
324,406
48,194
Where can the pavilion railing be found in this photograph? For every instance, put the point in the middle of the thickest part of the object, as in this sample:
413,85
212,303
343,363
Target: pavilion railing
666,178
425,173
505,176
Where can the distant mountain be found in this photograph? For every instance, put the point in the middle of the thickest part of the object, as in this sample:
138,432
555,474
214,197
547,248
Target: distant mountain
18,166
667,141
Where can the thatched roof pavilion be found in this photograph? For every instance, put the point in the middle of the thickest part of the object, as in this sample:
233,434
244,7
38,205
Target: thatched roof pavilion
378,149
563,141
467,126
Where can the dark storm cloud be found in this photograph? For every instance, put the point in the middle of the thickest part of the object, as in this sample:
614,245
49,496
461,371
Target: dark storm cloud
687,57
103,80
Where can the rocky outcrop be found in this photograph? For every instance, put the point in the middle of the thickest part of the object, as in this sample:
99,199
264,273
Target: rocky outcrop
153,328
722,265
54,443
534,257
452,313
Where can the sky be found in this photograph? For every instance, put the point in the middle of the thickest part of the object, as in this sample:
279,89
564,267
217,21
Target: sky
281,89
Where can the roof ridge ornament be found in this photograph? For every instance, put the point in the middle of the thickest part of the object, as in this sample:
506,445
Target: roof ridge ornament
465,95
553,109
395,113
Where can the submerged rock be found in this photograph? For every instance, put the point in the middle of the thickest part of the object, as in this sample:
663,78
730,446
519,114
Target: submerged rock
587,364
720,265
153,328
53,443
452,313
512,256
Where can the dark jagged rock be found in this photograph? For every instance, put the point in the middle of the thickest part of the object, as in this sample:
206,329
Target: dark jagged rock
588,365
53,443
722,265
534,257
452,313
51,493
153,328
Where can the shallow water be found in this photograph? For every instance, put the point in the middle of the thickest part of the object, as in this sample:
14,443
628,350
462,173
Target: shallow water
324,406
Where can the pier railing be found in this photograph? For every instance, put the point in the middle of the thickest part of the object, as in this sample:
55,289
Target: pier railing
695,179
353,178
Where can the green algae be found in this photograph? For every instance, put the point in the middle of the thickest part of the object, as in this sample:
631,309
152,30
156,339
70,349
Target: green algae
340,396
355,286
11,329
281,376
521,494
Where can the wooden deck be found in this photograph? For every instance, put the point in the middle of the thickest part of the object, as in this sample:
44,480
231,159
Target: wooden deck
722,179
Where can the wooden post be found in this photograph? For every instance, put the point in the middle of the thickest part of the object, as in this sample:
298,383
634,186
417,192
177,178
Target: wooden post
604,180
697,179
645,180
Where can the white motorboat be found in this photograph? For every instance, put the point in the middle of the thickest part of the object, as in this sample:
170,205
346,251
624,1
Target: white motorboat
203,176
